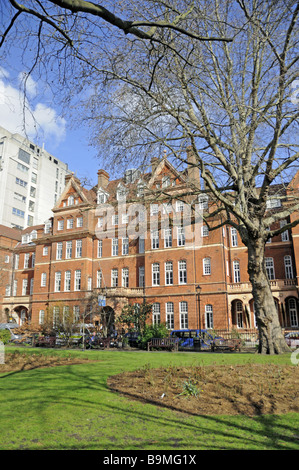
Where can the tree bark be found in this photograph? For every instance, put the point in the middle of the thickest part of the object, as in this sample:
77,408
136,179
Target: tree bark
271,339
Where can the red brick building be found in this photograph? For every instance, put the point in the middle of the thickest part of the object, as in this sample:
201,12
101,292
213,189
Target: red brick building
131,240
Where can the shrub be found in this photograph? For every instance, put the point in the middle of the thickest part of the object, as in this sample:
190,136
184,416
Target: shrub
5,336
153,331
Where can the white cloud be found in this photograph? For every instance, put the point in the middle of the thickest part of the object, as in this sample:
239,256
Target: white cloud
40,121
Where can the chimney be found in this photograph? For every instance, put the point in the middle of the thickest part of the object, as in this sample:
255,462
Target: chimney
154,162
103,179
67,177
192,168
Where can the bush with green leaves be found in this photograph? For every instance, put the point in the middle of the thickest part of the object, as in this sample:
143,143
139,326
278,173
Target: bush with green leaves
5,336
153,331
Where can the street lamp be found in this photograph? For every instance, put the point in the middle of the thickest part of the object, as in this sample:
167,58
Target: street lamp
198,292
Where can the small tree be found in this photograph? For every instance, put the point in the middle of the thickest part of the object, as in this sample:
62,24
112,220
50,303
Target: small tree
134,316
154,331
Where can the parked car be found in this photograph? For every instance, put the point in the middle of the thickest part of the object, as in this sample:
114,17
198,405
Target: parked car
12,327
292,339
133,338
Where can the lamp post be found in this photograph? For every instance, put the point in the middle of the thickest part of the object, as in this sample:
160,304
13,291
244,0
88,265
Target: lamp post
198,292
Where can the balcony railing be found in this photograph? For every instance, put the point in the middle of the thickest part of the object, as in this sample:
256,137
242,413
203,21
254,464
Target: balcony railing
276,284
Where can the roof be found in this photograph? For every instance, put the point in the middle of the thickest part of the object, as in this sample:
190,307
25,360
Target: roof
10,232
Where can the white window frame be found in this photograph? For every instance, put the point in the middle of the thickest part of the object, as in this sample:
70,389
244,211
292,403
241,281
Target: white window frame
67,281
182,268
183,309
155,274
168,273
77,284
288,266
79,248
57,287
236,271
125,277
207,271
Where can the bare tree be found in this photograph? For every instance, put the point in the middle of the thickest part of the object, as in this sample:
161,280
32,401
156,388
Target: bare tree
214,76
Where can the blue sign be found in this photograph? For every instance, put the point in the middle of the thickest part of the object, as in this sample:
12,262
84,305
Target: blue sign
102,300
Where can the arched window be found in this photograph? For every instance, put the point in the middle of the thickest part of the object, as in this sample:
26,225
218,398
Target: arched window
207,266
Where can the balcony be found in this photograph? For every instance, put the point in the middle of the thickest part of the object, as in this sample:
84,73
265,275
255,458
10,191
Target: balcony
276,285
124,292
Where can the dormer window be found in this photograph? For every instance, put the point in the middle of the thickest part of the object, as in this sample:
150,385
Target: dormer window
273,202
101,197
121,193
70,201
25,239
33,235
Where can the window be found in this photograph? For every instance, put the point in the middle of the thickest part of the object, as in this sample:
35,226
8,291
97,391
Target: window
31,286
43,281
78,248
69,223
168,273
18,212
34,178
154,209
270,268
293,312
288,266
183,315
115,219
17,259
89,283
167,238
79,221
60,224
155,239
48,226
156,274
165,181
76,313
206,266
179,206
59,250
209,316
6,259
125,277
125,219
204,231
182,272
78,279
156,314
101,197
100,248
273,202
239,314
141,276
45,250
24,286
56,311
33,260
26,260
99,278
57,281
234,237
181,236
21,182
169,315
7,290
167,208
285,234
203,201
22,167
114,277
15,287
70,201
114,246
19,197
24,156
125,246
41,317
68,250
31,206
67,281
236,270
141,245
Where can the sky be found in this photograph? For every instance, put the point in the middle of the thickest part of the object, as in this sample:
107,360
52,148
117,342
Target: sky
44,125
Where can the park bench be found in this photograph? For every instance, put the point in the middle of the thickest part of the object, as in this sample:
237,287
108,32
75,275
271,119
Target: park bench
163,343
232,344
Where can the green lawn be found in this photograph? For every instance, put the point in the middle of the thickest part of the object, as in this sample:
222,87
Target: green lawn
70,407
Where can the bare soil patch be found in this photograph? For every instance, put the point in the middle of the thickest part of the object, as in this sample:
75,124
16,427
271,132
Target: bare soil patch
252,389
22,361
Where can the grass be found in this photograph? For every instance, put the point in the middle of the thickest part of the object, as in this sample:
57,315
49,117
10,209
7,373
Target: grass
70,407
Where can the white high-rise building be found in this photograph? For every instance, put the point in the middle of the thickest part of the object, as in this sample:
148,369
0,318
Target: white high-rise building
31,180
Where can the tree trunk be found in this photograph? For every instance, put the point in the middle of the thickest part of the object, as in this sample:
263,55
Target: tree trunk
271,339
